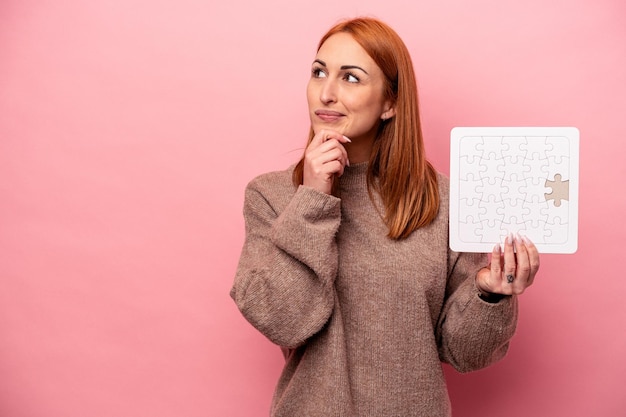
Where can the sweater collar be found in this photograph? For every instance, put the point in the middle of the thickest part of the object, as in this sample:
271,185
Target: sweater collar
354,176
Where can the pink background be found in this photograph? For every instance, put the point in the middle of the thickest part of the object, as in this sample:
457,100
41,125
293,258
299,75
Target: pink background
129,129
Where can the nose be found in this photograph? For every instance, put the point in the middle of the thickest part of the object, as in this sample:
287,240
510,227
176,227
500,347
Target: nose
328,92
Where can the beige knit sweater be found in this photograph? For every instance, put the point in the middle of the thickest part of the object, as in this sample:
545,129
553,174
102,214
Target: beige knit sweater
364,321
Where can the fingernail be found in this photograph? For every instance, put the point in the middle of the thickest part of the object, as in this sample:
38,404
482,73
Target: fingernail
347,138
518,238
526,240
509,238
347,162
497,248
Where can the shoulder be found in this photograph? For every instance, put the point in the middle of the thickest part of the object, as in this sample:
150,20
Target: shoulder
274,187
272,179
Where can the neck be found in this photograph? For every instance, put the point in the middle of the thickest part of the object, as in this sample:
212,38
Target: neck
359,150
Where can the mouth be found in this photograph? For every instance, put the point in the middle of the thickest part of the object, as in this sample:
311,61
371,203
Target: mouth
328,115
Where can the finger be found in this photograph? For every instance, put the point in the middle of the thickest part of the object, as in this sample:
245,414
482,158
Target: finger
324,135
522,270
330,137
340,140
509,260
496,261
319,138
324,155
495,267
337,167
330,146
533,258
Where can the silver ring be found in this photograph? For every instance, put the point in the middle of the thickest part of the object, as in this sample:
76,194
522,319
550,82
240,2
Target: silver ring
510,278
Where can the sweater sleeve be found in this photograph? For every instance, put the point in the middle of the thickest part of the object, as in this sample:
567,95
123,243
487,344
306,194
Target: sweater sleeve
471,332
284,280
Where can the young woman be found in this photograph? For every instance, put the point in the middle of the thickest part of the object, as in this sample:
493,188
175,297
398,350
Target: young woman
346,263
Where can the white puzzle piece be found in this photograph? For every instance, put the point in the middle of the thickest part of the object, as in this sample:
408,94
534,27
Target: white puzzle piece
514,180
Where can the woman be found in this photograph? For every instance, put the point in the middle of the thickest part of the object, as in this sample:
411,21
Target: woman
346,263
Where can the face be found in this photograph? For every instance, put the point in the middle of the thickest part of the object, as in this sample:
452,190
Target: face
345,92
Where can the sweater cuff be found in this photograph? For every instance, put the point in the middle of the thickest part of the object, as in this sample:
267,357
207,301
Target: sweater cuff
491,298
307,227
501,308
314,204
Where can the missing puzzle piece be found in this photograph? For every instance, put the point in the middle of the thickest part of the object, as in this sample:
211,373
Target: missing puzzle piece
560,190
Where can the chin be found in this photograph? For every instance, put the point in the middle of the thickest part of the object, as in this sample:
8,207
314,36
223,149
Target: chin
318,127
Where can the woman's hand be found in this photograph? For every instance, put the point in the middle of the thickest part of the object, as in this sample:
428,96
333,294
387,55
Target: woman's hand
510,272
325,159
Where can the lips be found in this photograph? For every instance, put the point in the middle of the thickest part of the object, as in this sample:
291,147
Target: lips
328,115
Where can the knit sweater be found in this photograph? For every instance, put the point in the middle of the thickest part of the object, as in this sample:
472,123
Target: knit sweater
364,320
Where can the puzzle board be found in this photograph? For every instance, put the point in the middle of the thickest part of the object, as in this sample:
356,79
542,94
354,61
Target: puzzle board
514,179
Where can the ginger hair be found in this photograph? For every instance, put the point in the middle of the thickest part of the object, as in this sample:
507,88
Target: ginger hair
398,170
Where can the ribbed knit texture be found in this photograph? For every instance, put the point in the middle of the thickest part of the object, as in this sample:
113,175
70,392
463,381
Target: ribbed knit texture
364,321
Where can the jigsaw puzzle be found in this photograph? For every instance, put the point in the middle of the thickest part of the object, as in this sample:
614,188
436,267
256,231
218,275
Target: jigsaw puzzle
514,180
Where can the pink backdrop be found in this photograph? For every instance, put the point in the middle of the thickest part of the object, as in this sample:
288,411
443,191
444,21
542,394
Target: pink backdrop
129,129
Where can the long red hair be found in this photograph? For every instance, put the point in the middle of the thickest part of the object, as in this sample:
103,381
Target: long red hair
398,169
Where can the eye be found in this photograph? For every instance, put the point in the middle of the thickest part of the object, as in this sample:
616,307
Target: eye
318,73
351,78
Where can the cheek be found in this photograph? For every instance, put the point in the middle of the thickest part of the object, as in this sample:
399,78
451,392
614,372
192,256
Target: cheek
368,107
362,100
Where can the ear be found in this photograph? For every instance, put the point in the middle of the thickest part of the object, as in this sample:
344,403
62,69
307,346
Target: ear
388,111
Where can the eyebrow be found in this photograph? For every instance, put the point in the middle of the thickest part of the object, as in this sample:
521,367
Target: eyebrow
343,67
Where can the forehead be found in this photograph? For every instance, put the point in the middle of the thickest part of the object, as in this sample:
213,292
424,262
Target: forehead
342,49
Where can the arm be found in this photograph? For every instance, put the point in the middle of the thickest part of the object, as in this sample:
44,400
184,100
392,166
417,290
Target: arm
473,333
480,314
284,281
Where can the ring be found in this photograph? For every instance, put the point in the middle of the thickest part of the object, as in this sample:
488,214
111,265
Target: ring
510,278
